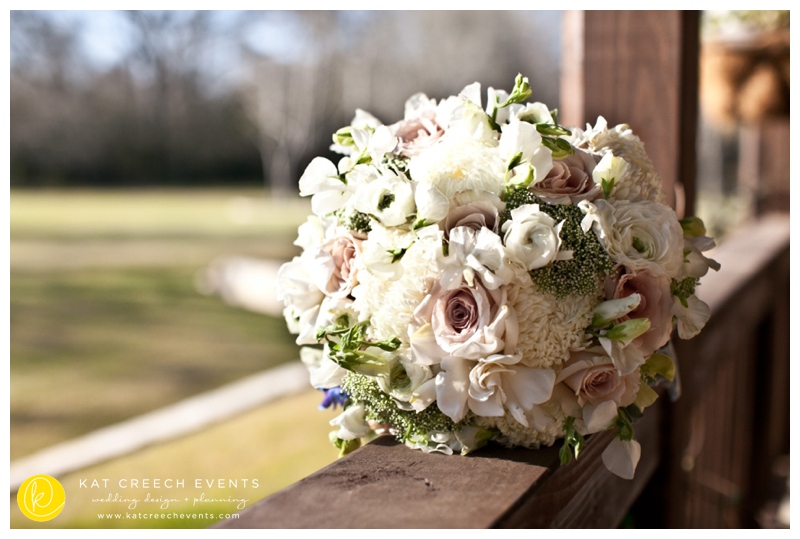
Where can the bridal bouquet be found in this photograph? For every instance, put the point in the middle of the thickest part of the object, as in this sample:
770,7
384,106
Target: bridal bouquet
473,274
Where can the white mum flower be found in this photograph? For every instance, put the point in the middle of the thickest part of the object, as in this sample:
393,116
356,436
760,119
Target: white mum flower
459,164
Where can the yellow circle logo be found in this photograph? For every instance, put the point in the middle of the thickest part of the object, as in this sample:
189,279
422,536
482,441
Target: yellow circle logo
41,497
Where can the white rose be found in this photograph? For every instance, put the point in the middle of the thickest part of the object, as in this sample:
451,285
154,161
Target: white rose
532,237
491,386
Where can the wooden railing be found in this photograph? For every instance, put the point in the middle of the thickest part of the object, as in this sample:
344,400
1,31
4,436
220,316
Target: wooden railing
704,458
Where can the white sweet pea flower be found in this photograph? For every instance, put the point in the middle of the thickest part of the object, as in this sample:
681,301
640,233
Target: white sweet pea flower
495,98
432,205
352,423
312,233
696,263
532,237
383,250
374,144
622,457
390,199
617,344
323,372
613,309
535,113
692,318
523,140
473,253
610,171
626,358
295,286
328,192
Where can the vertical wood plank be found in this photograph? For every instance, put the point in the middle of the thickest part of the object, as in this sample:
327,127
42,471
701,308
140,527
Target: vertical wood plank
639,68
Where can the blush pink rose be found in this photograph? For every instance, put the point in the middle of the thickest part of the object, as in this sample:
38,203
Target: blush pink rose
570,177
469,322
594,380
473,210
417,133
343,250
655,305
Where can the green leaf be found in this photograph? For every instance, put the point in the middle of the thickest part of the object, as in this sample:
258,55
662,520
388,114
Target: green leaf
608,186
693,227
514,161
628,330
645,397
660,364
558,146
397,253
552,130
344,137
574,442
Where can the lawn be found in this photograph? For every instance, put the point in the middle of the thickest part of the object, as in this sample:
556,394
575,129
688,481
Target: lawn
276,445
105,320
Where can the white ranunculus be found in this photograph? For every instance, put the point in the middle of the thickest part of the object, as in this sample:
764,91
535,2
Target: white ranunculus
471,253
389,198
638,235
691,319
323,372
352,423
532,237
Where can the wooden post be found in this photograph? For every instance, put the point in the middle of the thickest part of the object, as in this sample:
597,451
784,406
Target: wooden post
639,68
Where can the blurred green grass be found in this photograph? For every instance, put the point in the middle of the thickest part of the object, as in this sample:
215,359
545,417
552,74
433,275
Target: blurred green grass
105,321
276,444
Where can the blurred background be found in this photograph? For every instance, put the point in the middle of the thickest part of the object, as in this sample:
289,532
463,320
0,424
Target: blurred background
154,167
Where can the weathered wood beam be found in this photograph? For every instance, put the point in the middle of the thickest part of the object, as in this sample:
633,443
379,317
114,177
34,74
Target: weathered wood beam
639,68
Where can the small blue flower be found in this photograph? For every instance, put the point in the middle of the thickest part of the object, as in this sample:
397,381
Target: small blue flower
333,397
